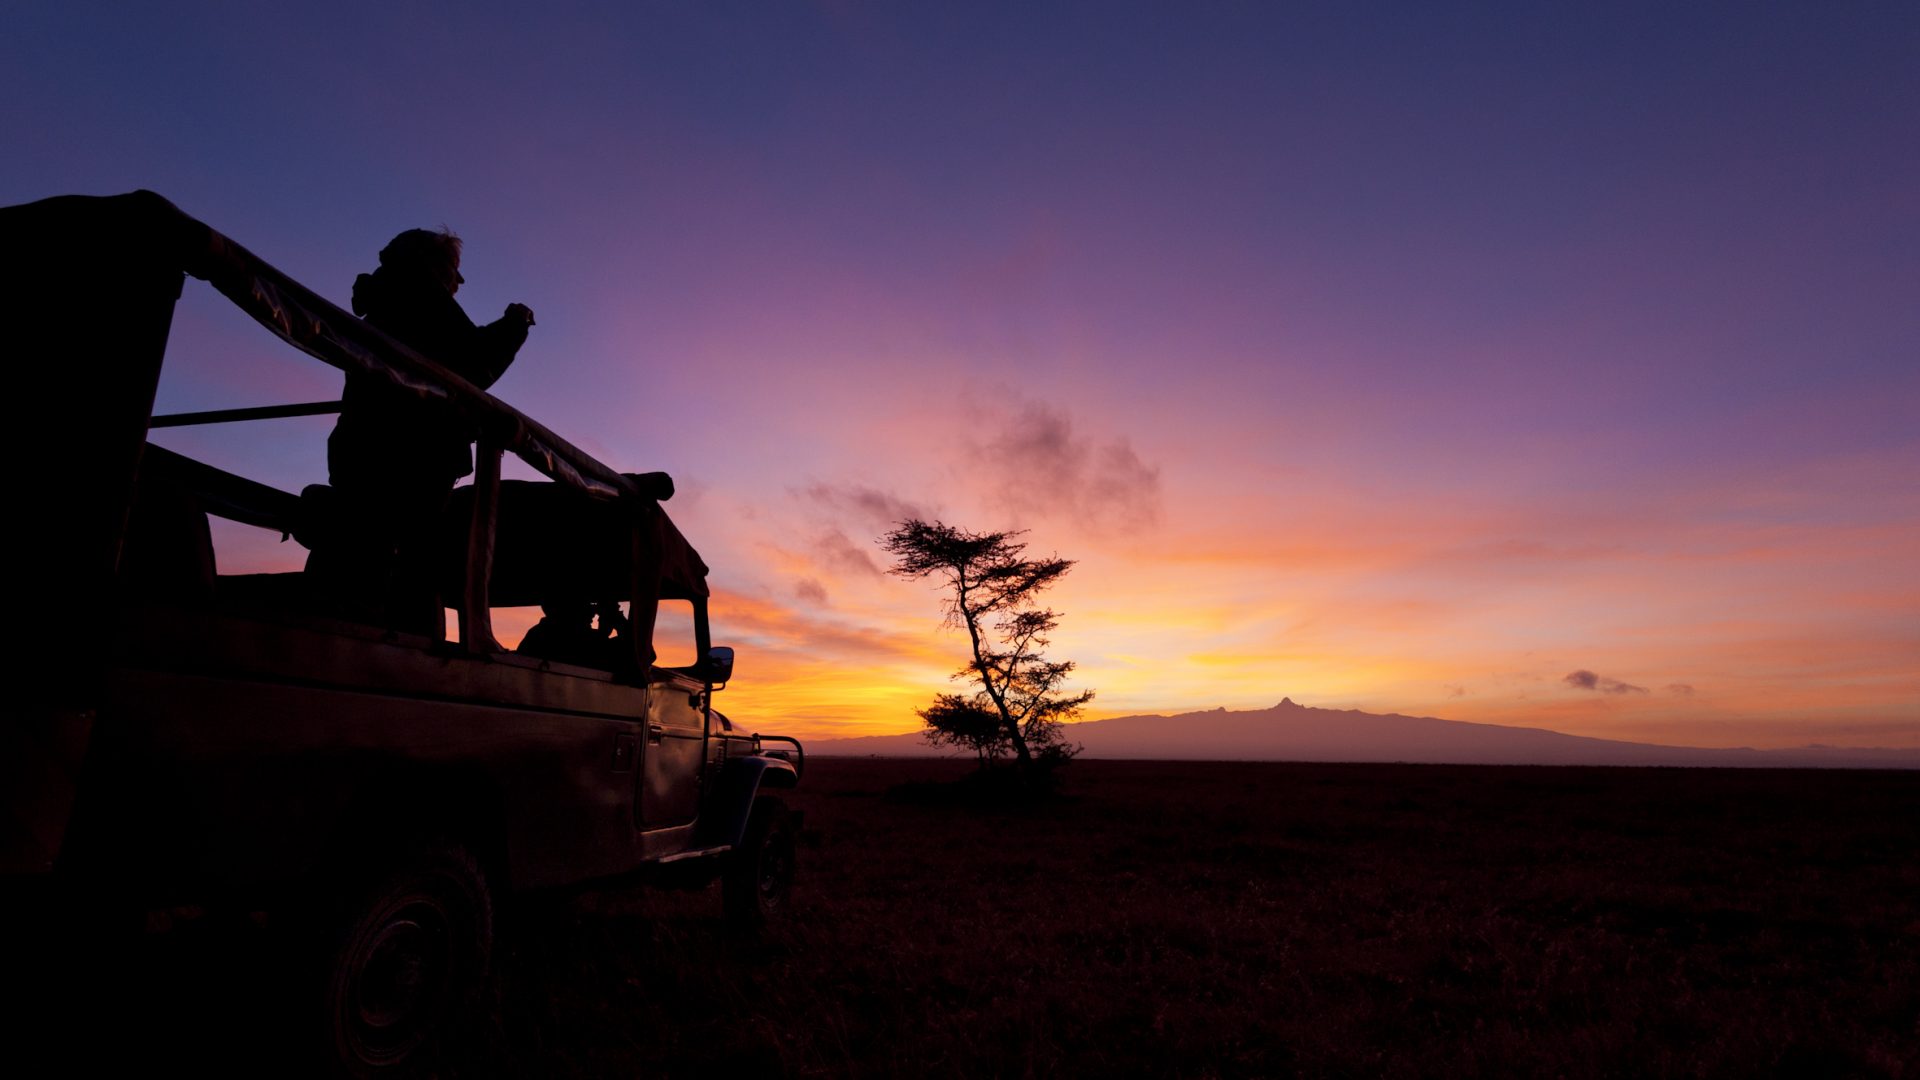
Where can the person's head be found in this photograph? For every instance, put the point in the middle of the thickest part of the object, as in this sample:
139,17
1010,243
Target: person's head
426,251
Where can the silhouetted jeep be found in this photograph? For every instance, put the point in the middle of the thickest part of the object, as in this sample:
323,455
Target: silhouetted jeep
191,737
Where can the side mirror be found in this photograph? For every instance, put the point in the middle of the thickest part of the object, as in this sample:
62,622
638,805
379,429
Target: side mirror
719,665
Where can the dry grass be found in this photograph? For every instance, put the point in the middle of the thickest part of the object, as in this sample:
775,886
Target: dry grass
1260,919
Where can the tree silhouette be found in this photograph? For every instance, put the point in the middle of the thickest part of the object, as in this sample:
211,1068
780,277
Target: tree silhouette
966,722
991,592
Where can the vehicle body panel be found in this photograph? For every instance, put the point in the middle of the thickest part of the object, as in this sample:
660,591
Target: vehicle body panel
674,758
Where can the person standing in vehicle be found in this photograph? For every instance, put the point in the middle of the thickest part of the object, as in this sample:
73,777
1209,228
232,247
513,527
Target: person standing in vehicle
568,632
394,455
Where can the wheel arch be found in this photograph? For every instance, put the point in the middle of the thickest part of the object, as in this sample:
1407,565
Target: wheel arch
741,781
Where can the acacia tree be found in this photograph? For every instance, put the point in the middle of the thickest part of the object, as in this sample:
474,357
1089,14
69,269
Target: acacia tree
991,592
964,721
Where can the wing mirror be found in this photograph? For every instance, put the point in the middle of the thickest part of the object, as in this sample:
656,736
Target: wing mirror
719,665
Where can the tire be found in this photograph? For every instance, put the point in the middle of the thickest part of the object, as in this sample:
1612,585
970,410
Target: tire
408,962
759,874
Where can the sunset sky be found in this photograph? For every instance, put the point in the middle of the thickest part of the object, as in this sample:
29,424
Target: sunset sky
1530,364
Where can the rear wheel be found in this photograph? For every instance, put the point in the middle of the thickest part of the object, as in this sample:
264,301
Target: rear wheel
759,874
409,960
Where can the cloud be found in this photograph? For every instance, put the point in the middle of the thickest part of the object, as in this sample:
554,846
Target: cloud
1680,689
836,551
871,510
1587,680
810,590
826,645
838,513
1037,466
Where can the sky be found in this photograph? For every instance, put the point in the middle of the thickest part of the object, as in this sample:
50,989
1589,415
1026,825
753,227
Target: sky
1548,365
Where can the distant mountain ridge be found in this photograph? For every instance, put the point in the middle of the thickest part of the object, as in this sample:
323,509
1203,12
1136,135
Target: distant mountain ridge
1290,732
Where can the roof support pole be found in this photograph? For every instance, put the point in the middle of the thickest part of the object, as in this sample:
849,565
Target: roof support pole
476,625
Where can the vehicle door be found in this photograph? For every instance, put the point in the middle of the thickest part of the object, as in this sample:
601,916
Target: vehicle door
674,753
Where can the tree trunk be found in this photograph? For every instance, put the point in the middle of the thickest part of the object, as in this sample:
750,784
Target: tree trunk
1023,761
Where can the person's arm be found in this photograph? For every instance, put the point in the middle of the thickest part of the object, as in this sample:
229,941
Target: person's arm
496,344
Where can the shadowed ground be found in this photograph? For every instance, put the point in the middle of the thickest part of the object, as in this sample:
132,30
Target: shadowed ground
1213,919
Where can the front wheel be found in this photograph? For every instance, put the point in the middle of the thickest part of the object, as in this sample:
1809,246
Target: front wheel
759,874
409,959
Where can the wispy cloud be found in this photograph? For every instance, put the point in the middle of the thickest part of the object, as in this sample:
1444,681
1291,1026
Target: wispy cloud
772,623
836,551
866,509
811,672
1038,467
1587,680
844,519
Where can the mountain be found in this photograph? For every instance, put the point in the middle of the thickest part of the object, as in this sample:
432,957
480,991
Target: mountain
1289,732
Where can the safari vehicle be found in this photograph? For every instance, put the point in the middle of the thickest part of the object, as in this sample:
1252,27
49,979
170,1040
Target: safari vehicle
183,736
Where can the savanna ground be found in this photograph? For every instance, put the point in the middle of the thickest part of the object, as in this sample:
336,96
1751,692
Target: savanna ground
1213,920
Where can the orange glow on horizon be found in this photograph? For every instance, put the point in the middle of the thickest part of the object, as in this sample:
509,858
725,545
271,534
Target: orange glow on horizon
1736,615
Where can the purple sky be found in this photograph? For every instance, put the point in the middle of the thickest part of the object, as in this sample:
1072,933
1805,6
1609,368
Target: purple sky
1378,355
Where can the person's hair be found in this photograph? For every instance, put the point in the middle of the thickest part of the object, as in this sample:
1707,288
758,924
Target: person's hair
418,247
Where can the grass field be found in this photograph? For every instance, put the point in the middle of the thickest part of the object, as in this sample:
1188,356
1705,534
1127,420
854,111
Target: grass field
1230,920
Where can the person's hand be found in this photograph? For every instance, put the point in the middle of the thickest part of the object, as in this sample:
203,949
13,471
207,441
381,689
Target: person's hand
611,621
521,311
